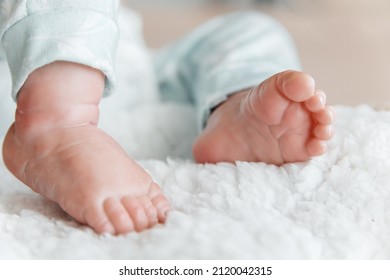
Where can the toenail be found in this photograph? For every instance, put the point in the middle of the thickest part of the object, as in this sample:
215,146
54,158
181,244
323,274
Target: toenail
107,228
296,89
286,81
322,98
329,132
332,114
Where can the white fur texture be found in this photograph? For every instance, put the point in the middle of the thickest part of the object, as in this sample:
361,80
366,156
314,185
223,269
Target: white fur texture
333,207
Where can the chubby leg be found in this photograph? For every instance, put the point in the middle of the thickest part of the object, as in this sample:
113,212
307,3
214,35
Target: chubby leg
56,148
282,120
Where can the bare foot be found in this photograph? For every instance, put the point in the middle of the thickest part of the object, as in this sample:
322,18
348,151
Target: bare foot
283,120
56,149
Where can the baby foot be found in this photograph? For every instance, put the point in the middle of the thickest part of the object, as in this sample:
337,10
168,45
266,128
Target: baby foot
88,174
56,149
283,120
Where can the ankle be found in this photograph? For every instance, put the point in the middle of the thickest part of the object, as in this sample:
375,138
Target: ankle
65,80
58,95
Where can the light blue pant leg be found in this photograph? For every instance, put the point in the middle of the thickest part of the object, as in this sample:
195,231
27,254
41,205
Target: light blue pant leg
223,56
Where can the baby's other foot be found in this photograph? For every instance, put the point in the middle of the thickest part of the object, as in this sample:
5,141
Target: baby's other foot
284,119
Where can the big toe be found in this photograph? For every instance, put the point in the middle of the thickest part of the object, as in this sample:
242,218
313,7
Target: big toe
118,216
270,100
296,86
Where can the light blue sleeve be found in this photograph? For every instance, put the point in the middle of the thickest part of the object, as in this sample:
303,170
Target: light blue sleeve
226,55
37,32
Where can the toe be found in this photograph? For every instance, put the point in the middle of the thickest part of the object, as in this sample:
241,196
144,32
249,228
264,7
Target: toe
325,116
316,102
118,216
316,147
162,206
159,201
323,132
150,210
137,212
296,86
97,219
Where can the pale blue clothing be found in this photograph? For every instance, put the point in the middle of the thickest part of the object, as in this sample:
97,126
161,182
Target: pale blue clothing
37,32
223,56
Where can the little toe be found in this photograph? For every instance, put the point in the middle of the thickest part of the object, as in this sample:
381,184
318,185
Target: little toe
316,147
150,210
325,116
316,102
97,219
137,212
323,132
162,206
296,86
118,216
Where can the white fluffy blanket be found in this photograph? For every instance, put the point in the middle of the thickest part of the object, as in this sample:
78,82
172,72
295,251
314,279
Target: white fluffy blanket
333,207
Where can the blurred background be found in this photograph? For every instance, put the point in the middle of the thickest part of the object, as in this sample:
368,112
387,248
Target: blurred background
344,44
